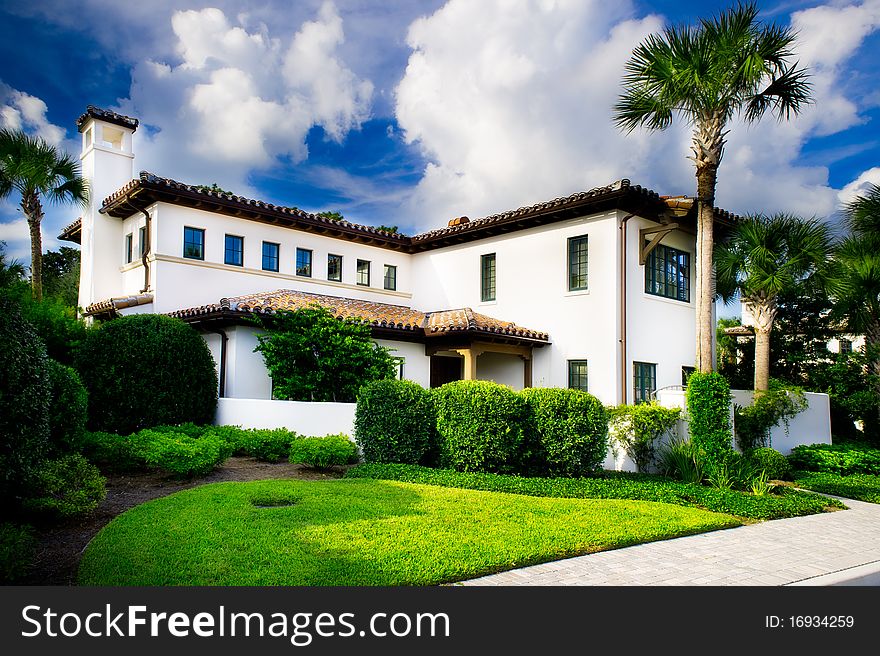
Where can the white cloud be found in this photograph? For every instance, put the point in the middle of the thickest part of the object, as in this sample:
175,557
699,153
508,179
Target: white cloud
859,186
17,238
22,111
511,103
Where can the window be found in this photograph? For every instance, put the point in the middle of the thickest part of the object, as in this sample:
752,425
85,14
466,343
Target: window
142,241
577,375
304,262
334,267
390,277
487,277
668,273
400,362
845,346
577,263
685,374
644,382
270,256
234,251
363,273
128,246
194,243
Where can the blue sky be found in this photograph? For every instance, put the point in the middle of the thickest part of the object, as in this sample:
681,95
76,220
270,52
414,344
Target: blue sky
410,112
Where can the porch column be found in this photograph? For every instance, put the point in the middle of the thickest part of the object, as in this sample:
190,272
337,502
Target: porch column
527,370
470,362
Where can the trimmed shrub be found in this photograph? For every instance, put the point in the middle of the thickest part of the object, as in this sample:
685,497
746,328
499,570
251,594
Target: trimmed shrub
772,462
636,429
482,426
571,430
66,487
24,402
395,421
267,444
68,409
324,452
113,453
181,455
708,405
17,547
146,370
842,459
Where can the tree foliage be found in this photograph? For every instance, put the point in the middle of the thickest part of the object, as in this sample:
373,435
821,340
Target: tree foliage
314,356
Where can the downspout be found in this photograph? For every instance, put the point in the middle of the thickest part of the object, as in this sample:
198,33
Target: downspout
222,374
622,340
147,239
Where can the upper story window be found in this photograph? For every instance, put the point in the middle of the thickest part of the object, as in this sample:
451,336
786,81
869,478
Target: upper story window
129,238
487,277
577,375
363,273
668,273
234,250
270,256
304,262
194,243
577,263
142,241
845,346
334,267
644,381
390,277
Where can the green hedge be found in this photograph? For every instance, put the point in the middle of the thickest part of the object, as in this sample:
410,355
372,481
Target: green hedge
771,461
17,548
112,453
146,370
482,426
613,485
863,487
395,421
181,455
68,409
324,452
843,459
708,406
570,428
66,487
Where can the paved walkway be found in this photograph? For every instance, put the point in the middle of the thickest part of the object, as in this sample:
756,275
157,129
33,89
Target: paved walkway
835,548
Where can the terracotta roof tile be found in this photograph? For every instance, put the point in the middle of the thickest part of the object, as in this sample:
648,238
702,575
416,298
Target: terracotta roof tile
111,305
72,232
108,116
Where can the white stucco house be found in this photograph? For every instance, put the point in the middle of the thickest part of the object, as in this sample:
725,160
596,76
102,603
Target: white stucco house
593,291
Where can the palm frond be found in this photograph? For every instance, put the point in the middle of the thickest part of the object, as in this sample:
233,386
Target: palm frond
862,215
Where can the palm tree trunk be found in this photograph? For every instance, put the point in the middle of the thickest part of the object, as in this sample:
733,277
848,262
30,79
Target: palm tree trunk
33,211
872,348
763,313
705,288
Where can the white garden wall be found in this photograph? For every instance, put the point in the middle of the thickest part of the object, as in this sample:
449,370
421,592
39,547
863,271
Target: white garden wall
312,419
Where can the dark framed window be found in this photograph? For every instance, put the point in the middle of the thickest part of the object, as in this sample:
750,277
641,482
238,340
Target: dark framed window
363,273
142,241
577,375
334,267
845,346
668,273
685,374
234,250
487,277
577,263
129,239
304,262
644,381
390,277
271,252
194,243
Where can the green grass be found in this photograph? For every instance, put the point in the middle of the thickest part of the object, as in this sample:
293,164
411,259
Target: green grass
614,485
863,487
362,532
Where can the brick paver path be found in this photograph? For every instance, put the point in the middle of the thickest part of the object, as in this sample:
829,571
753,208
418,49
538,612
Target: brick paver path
818,549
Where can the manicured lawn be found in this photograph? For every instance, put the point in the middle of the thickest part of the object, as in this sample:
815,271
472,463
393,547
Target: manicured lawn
614,485
863,487
363,532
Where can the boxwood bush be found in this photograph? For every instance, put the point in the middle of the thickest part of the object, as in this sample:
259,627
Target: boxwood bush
843,459
708,408
113,453
66,487
267,444
482,426
181,455
68,409
324,452
395,421
772,462
24,402
145,370
570,429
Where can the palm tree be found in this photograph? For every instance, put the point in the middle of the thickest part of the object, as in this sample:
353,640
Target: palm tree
707,75
764,257
857,296
38,170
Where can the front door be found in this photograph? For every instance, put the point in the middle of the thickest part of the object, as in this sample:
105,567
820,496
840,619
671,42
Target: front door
445,369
